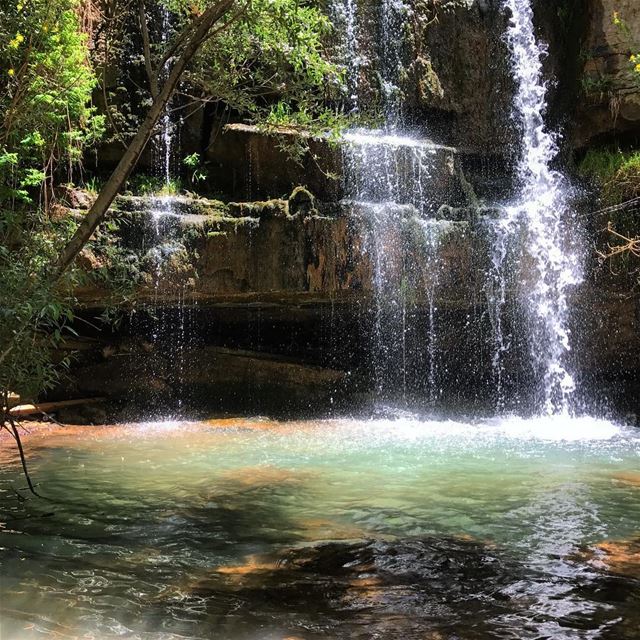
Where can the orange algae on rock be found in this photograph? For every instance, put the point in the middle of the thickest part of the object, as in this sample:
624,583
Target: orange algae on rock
616,556
628,477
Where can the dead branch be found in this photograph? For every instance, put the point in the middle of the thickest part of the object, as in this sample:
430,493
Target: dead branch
627,246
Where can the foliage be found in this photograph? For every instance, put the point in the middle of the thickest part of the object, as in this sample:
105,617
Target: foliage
143,184
34,316
273,53
268,65
45,91
615,172
46,119
630,37
197,171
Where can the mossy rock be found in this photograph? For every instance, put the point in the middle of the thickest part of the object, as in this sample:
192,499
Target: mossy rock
301,201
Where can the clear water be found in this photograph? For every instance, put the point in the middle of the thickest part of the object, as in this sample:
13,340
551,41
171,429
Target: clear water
343,528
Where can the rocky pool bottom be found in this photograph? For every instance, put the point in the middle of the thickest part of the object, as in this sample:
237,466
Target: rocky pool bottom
249,528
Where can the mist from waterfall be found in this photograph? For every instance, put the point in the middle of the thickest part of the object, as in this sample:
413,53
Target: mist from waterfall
541,207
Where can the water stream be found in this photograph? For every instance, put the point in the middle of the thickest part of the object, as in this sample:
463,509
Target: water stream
532,254
388,176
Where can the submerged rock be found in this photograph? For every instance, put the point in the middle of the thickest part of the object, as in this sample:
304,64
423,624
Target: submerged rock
431,587
621,557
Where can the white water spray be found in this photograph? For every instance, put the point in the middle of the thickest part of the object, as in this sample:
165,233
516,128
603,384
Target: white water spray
345,18
542,208
388,180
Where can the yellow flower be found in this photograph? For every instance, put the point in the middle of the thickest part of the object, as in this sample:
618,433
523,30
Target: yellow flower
19,37
637,67
11,72
19,7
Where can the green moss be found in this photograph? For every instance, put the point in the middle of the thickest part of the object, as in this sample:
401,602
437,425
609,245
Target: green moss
615,172
145,185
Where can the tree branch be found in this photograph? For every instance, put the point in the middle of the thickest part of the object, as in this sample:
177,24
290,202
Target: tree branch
146,46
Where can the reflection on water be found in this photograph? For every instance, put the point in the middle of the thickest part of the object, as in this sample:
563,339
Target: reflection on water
396,528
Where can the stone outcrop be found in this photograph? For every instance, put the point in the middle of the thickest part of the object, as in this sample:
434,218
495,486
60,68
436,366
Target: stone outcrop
610,108
268,288
137,372
253,164
280,251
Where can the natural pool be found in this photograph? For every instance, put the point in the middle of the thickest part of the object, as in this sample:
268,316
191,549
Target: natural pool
340,528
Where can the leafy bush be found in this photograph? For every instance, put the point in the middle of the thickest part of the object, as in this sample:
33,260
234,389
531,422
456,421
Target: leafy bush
46,119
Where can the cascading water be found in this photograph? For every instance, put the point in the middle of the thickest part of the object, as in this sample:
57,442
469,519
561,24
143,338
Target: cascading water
386,171
388,180
500,234
344,17
393,17
541,208
167,316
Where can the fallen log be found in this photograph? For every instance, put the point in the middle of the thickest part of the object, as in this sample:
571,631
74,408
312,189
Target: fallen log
13,399
49,407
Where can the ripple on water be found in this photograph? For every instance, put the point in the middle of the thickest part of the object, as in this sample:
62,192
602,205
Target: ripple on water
403,527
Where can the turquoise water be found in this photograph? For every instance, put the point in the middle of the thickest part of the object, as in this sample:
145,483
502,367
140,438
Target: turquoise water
338,528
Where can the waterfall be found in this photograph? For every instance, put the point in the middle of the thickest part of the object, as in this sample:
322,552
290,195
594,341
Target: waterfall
168,315
541,207
389,178
388,181
344,18
393,19
166,142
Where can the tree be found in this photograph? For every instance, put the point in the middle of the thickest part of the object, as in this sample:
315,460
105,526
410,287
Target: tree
46,119
251,54
185,48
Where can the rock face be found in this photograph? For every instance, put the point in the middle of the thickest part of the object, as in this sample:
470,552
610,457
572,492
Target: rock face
261,253
611,105
251,164
144,376
276,303
288,266
459,75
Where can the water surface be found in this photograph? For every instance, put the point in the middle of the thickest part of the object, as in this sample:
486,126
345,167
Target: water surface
341,528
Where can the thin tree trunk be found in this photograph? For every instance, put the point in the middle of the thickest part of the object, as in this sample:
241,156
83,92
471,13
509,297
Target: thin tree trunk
201,27
146,47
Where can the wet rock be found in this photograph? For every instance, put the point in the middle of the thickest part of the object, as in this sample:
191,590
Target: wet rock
629,478
75,198
255,167
261,476
169,267
251,164
126,377
620,557
611,105
422,588
88,414
301,201
245,377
